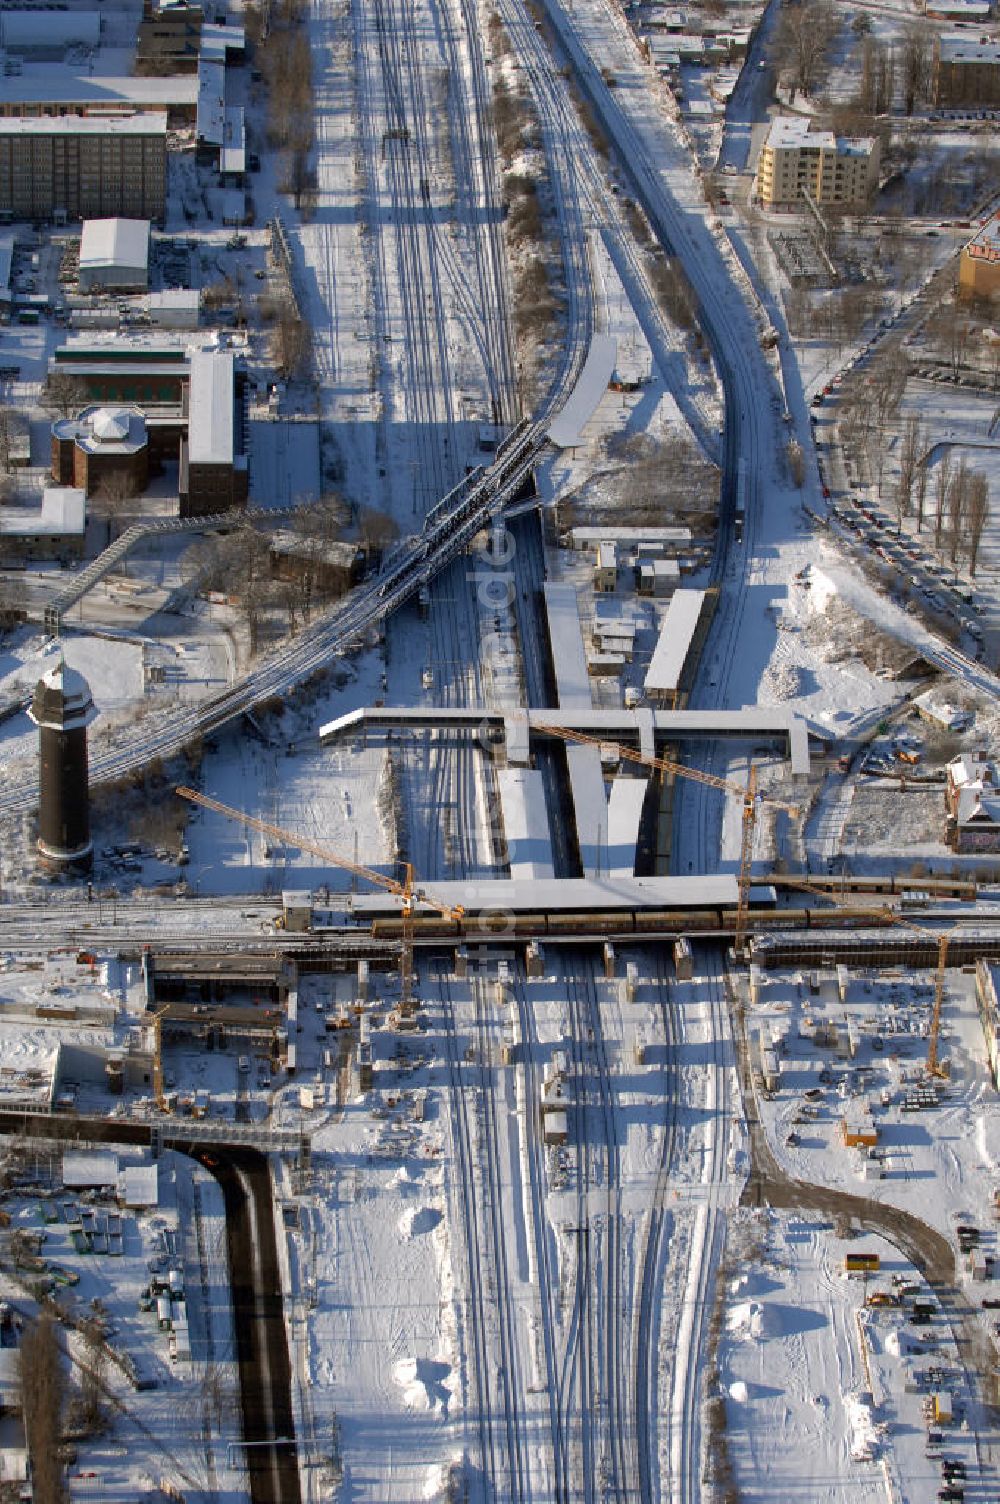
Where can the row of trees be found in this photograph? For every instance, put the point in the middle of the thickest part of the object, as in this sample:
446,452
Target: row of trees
803,40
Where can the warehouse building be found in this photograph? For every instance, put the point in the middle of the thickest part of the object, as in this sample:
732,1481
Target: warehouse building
213,467
797,162
49,32
83,168
979,263
71,89
114,253
966,71
55,532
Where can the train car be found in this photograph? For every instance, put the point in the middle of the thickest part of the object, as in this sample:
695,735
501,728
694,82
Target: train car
618,922
677,921
847,918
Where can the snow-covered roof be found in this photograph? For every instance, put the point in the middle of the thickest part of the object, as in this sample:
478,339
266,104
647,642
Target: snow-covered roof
794,132
89,1167
590,805
63,511
233,156
624,816
589,537
216,41
956,48
140,1185
566,641
210,408
6,260
109,84
211,115
969,768
145,124
566,429
573,894
114,242
23,30
525,822
674,642
110,430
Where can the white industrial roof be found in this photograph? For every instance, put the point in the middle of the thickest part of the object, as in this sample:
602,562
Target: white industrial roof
140,1185
624,816
63,511
217,40
567,427
566,641
589,537
962,49
525,822
674,642
87,1168
210,408
233,156
24,29
114,242
211,102
62,83
148,124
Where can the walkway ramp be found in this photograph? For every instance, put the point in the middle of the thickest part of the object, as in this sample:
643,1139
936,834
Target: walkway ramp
566,429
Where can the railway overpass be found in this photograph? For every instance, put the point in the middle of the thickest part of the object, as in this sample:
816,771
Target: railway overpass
646,727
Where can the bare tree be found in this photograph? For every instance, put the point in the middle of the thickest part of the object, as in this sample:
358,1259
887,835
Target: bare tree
916,67
63,394
957,496
92,1372
977,515
920,491
291,343
909,453
377,530
877,77
43,1389
943,482
802,40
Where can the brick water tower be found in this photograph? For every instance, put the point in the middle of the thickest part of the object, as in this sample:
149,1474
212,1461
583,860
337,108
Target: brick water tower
62,709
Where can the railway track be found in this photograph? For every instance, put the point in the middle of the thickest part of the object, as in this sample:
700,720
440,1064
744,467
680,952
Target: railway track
498,1414
545,1256
652,1256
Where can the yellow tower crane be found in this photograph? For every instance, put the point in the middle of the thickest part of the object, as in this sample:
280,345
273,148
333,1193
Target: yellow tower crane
747,794
405,891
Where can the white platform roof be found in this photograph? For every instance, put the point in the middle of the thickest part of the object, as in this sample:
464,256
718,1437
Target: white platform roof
624,816
569,894
211,117
566,640
114,242
525,823
210,411
566,429
629,537
590,805
674,642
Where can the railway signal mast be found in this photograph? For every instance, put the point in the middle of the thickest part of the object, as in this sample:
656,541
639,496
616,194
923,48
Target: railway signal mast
747,794
405,891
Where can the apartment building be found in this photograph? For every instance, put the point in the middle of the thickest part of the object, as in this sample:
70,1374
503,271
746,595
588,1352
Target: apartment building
966,71
796,160
85,167
979,263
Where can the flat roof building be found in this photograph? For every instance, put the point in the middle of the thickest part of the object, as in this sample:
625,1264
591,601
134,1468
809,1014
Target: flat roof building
213,470
56,531
104,85
49,30
797,162
83,167
114,253
966,71
525,823
673,645
569,660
